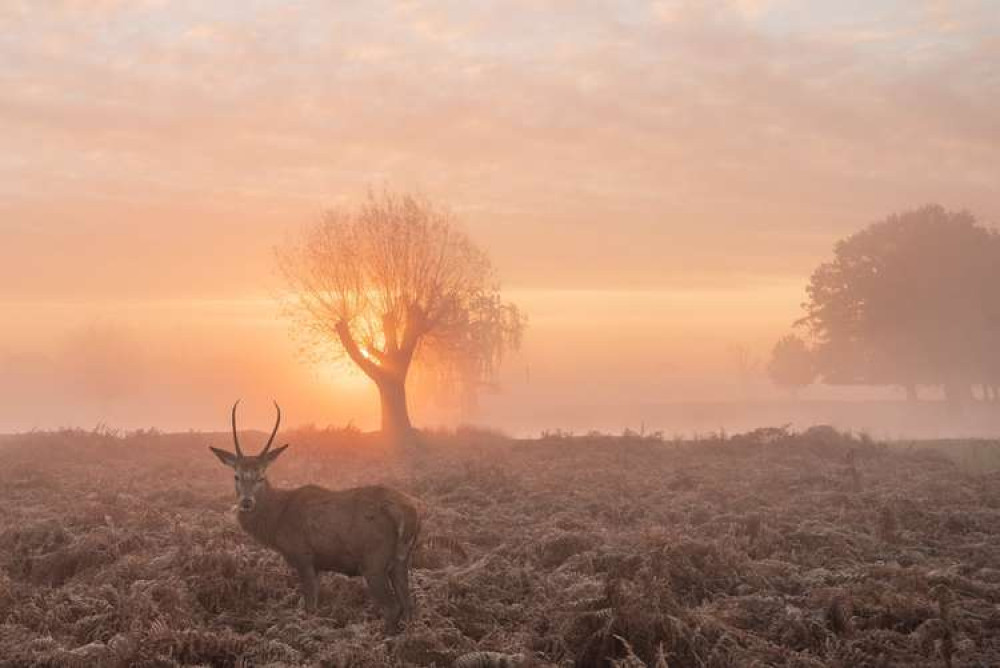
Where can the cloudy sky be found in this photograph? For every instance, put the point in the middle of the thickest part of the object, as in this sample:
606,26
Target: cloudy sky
654,180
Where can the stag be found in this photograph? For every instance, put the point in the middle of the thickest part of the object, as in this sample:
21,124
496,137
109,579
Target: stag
368,531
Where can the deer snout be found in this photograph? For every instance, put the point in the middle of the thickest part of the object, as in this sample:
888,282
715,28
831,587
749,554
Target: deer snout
247,504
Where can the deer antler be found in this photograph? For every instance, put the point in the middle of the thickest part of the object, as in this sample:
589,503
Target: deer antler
273,431
236,438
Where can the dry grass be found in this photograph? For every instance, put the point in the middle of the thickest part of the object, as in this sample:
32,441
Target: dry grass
765,549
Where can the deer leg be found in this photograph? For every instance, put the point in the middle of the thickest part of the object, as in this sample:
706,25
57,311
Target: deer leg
308,583
400,574
385,598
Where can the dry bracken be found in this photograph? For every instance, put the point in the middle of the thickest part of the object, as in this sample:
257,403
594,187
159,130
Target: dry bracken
119,548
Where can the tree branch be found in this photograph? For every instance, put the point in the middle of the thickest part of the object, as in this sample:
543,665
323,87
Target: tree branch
416,327
371,369
390,332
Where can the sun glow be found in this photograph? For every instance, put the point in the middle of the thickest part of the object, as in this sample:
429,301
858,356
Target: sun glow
341,375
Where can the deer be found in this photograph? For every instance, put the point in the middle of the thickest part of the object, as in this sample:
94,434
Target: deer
364,531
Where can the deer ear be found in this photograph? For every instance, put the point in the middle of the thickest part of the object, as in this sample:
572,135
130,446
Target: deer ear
227,458
273,454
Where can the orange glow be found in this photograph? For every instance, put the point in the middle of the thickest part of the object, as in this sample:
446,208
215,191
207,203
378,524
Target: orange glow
654,183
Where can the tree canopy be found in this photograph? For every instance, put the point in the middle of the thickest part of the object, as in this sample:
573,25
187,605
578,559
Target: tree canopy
911,300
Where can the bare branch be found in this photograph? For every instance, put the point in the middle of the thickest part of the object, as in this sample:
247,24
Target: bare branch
355,353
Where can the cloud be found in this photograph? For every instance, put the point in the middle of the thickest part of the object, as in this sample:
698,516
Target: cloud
667,122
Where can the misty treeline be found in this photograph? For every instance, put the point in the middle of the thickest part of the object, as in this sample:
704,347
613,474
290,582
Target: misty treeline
910,301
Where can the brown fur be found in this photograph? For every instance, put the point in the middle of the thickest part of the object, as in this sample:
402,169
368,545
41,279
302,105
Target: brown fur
367,531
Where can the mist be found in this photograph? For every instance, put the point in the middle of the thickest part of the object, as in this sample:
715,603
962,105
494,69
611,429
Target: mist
651,361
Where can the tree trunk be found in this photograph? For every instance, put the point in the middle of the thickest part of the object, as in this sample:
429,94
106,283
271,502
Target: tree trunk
389,374
395,414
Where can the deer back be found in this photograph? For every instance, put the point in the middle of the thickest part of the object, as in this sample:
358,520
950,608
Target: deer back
349,531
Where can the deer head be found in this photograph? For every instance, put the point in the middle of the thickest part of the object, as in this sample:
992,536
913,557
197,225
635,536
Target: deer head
250,470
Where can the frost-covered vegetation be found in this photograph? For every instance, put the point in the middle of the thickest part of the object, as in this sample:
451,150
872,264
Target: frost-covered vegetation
762,549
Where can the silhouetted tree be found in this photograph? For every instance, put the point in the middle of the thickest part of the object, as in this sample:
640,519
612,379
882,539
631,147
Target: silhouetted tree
394,281
791,366
909,301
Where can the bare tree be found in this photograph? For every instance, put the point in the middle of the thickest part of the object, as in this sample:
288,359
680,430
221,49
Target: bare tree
392,281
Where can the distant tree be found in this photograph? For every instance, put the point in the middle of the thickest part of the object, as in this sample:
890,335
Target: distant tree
394,282
791,366
909,301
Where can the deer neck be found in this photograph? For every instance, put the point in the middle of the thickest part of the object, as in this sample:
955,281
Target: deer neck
262,522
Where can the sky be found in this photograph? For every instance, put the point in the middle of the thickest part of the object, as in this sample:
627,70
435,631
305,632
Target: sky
653,180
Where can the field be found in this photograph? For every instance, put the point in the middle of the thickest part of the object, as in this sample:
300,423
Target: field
766,549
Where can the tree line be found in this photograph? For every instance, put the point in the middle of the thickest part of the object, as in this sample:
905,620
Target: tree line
910,301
